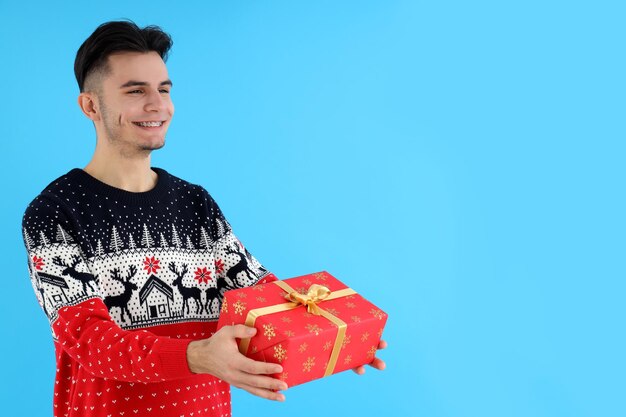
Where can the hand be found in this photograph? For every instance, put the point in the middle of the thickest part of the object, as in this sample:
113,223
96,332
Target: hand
376,363
220,357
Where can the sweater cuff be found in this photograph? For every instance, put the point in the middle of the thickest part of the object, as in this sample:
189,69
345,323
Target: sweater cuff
173,355
267,278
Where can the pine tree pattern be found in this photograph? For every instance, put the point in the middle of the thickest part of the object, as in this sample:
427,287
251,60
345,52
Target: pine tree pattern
99,248
205,240
175,239
131,242
62,235
30,243
44,239
146,240
116,242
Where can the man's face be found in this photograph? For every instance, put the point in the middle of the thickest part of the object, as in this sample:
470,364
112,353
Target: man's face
135,103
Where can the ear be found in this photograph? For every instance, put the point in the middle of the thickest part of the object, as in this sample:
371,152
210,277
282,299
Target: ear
89,106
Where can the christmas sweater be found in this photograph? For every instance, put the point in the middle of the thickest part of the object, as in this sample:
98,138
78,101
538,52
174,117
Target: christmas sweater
127,280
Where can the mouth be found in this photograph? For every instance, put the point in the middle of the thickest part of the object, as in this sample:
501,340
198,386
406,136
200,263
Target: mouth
150,125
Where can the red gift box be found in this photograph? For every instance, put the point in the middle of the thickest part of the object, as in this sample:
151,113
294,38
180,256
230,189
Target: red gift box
313,325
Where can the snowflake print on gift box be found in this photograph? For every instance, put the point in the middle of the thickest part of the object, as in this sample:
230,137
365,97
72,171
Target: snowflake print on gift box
346,341
320,276
240,307
279,353
377,313
313,328
202,275
38,262
372,352
151,265
309,364
269,331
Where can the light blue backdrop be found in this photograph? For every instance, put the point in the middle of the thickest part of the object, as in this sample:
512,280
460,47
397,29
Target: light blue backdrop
460,163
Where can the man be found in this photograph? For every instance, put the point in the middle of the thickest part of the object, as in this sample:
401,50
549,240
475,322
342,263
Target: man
130,263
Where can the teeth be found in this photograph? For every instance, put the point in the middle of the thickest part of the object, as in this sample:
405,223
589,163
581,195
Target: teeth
149,124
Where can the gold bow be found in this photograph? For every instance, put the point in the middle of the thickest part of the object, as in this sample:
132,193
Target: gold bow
315,294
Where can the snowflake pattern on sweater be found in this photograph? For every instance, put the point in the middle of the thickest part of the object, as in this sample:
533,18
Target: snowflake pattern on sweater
127,280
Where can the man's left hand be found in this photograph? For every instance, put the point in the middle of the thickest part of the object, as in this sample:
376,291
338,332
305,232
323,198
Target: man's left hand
376,363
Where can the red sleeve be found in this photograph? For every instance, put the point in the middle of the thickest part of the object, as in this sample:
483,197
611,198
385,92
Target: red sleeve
89,335
268,278
80,321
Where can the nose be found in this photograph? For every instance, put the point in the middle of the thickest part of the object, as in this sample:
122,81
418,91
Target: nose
155,101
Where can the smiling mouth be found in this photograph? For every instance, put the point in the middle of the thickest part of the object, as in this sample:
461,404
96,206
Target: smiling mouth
149,124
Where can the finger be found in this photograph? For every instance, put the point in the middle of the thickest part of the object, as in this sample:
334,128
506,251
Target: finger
250,366
382,344
263,382
359,370
264,393
378,364
240,331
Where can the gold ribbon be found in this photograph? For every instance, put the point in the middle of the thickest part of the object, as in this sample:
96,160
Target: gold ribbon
316,294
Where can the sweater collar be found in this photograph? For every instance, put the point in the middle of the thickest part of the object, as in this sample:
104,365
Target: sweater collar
105,190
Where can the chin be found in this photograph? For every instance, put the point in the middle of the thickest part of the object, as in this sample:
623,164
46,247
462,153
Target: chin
153,146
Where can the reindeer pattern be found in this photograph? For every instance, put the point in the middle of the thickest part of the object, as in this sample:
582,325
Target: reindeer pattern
150,285
165,258
70,270
121,300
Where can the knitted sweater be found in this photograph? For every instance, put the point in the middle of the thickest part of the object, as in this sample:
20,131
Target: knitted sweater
127,280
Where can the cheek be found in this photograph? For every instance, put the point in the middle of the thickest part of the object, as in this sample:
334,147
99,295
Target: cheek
126,116
121,119
111,118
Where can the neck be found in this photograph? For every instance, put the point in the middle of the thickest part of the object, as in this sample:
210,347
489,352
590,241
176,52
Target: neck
133,175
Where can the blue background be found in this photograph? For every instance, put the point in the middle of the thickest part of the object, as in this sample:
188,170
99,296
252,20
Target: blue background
461,164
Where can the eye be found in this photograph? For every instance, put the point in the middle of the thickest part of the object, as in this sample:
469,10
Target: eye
134,92
164,91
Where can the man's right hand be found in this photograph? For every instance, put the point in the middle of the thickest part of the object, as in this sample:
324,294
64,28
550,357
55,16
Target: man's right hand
220,357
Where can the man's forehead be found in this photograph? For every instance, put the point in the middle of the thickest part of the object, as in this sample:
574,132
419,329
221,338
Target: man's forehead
148,67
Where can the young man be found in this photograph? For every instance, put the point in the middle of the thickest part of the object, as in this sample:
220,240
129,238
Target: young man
130,263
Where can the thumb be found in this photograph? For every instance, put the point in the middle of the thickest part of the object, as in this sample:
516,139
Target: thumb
241,331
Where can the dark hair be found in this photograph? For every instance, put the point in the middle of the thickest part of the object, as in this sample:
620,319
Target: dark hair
118,36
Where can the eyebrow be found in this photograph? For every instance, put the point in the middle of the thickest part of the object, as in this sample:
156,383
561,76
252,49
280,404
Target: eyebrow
134,83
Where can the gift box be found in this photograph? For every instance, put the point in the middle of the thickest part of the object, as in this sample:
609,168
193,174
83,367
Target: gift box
312,325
